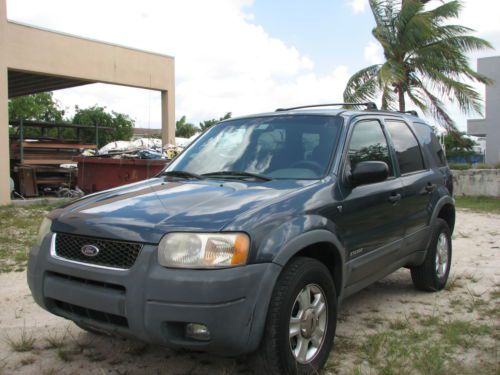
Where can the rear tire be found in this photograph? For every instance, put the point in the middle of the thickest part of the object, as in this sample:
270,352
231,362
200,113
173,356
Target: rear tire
301,320
432,275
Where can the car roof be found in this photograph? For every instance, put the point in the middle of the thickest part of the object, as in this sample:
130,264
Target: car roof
331,112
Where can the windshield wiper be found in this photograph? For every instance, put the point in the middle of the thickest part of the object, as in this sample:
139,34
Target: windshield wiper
238,174
184,174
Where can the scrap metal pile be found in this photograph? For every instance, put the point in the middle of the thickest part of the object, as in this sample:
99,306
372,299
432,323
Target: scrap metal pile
142,148
44,162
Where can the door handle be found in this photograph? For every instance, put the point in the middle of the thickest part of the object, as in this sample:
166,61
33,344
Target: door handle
430,187
394,198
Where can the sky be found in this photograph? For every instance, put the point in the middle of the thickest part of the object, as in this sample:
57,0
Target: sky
239,56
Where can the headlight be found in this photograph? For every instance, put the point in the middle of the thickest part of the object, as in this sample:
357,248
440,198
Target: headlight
44,229
203,250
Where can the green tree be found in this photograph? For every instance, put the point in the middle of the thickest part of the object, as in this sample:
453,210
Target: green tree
40,107
208,123
37,107
458,142
184,129
122,125
425,60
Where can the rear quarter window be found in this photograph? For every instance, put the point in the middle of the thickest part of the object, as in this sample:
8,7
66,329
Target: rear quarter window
429,141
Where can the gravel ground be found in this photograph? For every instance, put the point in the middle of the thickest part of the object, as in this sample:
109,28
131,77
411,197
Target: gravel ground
387,328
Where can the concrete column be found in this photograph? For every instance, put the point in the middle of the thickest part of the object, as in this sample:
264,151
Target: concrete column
168,117
490,67
4,113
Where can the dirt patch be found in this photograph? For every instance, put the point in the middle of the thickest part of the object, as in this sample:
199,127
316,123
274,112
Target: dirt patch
387,328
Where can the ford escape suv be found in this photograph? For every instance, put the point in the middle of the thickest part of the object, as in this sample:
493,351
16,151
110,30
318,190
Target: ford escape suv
251,238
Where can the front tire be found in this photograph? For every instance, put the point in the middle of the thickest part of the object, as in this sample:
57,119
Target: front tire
432,275
301,321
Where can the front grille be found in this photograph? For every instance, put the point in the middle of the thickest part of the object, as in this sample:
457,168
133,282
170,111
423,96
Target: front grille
84,312
116,254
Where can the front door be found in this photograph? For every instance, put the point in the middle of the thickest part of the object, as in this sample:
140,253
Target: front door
369,217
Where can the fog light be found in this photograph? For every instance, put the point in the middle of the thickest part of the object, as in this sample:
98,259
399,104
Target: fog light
197,331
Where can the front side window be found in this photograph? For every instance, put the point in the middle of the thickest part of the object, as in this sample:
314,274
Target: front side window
406,146
368,143
287,147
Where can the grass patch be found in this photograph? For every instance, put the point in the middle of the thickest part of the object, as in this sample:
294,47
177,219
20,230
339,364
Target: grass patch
23,343
373,322
495,294
463,333
453,283
20,226
27,361
398,324
55,340
429,346
480,204
65,355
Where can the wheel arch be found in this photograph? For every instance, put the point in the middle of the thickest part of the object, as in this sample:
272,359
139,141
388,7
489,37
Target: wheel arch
323,246
447,213
444,209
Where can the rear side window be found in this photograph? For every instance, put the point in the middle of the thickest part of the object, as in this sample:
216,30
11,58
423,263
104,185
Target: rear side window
368,143
406,146
429,140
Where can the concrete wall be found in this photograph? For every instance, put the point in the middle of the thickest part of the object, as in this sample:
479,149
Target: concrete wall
490,125
4,114
477,182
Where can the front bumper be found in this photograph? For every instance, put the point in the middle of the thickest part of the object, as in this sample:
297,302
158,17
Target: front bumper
153,303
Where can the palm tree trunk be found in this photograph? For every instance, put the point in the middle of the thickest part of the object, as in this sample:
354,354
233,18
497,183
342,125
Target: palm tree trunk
401,97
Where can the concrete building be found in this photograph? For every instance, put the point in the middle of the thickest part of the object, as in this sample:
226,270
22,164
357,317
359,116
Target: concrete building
35,60
489,127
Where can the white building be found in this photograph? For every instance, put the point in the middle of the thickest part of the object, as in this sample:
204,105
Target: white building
489,127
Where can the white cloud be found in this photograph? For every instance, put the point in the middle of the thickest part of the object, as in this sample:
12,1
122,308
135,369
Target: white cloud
373,53
224,62
481,15
358,6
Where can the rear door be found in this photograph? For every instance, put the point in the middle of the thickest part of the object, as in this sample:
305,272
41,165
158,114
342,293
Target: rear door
370,215
419,183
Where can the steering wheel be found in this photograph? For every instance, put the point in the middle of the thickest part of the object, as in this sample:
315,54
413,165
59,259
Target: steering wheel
309,164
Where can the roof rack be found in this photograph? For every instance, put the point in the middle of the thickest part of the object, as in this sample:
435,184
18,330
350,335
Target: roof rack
370,106
411,112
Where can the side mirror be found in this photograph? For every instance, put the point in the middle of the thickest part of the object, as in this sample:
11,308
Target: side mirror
368,172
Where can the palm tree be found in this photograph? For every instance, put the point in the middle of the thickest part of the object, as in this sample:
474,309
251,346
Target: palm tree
425,60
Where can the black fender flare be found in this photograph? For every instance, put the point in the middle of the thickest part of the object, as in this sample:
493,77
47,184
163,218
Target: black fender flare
309,238
437,208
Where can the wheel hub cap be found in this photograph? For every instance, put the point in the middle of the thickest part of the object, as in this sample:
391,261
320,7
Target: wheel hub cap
442,249
308,323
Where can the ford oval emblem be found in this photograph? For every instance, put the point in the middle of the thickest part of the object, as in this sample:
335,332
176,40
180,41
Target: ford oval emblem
89,250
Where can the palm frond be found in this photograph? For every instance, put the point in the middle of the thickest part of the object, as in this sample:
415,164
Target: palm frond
363,85
436,108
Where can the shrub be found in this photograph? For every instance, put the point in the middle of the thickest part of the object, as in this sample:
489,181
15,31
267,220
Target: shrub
459,166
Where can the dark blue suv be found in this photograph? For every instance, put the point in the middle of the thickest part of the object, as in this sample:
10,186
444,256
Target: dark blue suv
251,238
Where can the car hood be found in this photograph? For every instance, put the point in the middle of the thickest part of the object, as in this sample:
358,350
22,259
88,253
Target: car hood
145,211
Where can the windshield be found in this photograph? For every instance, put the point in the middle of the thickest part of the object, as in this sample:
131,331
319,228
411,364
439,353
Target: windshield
284,147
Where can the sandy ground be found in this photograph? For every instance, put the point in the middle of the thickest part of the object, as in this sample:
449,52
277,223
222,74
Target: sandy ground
476,263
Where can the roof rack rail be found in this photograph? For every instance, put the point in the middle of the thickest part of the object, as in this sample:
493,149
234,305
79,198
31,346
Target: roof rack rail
370,106
411,112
